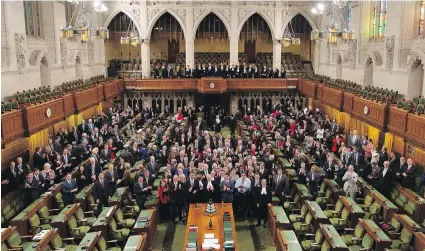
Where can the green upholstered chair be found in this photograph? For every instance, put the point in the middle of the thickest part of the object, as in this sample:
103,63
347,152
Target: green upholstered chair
325,246
374,211
353,237
406,105
420,109
400,103
395,225
76,230
290,205
367,202
401,200
38,98
410,207
415,100
301,227
323,200
15,104
92,202
313,242
121,221
45,213
4,247
366,244
58,243
103,245
334,210
8,106
8,211
15,241
394,194
80,215
404,240
422,101
342,220
59,201
130,205
117,234
37,225
298,217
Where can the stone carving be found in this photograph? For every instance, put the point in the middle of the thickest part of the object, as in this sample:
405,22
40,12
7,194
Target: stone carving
352,47
270,14
197,13
389,48
136,13
152,13
328,53
242,14
182,14
64,52
226,14
21,51
90,52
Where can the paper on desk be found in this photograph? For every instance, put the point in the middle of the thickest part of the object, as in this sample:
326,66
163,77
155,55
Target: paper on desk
210,241
209,236
212,245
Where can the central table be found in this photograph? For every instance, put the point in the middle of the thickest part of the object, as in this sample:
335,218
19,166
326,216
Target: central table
199,219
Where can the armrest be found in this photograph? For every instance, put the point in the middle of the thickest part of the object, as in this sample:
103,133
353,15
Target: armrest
330,206
348,230
308,236
93,205
364,249
89,212
45,219
314,246
71,239
296,210
359,200
356,240
82,220
54,210
16,248
342,220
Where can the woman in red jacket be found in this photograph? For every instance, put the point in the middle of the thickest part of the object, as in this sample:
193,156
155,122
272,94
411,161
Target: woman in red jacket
163,195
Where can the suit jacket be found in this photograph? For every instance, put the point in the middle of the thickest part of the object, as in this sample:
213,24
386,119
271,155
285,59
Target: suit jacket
39,161
175,192
350,182
67,195
74,136
359,161
227,195
101,193
138,190
383,156
395,165
264,199
89,170
282,185
354,141
329,170
153,169
196,187
57,147
105,156
386,182
409,181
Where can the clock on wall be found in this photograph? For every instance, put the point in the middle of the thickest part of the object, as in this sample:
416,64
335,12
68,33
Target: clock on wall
366,110
48,112
212,85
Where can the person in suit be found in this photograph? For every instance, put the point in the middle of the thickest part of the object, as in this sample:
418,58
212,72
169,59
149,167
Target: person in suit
81,178
394,162
194,186
264,174
105,155
68,190
39,158
350,182
141,189
408,175
152,166
373,177
74,135
176,199
66,160
226,187
357,159
280,185
264,198
40,180
93,169
386,178
302,174
112,177
313,179
57,147
209,188
398,170
83,128
329,167
80,153
354,139
101,192
31,188
242,188
383,156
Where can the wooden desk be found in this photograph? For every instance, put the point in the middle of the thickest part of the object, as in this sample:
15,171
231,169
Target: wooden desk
356,212
277,218
381,240
102,222
43,244
334,187
198,218
60,221
116,198
287,241
54,190
137,243
388,207
333,238
21,220
149,227
419,242
419,214
304,192
407,222
318,215
82,196
89,242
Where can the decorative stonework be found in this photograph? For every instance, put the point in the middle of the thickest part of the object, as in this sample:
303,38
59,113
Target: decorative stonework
64,52
270,15
389,49
328,53
182,14
21,51
225,13
90,52
152,13
197,13
136,13
352,47
242,14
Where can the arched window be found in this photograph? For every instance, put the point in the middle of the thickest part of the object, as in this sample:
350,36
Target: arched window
379,19
421,17
32,14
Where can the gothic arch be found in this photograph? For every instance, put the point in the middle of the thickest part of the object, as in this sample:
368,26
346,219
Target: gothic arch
302,13
37,55
264,16
375,56
158,15
416,71
219,15
115,12
415,56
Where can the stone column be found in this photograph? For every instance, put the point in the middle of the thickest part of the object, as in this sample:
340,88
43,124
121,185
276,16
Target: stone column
125,101
234,51
190,39
277,54
146,64
233,34
162,102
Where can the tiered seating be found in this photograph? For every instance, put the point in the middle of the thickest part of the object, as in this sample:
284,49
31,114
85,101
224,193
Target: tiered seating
409,201
416,105
35,96
318,78
264,58
292,64
348,86
131,70
11,205
379,94
211,57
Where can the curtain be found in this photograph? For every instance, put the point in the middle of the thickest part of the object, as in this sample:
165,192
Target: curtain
78,119
99,108
373,134
345,121
388,142
40,139
71,122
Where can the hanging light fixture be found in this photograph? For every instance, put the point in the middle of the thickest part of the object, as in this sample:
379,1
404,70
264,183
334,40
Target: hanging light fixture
314,35
132,37
289,35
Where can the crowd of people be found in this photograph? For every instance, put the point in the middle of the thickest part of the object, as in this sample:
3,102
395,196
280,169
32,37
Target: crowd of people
209,70
200,165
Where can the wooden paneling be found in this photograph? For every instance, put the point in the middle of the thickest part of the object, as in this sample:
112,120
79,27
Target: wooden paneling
398,145
36,116
86,99
418,154
377,115
397,121
12,126
319,94
13,150
101,93
212,85
348,102
260,84
112,89
309,88
415,132
332,97
58,126
68,104
162,85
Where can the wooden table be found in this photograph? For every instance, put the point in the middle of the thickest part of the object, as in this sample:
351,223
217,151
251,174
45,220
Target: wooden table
198,218
150,227
381,240
82,196
21,220
356,212
89,242
388,207
334,187
116,198
60,221
303,191
333,238
287,241
277,218
102,222
136,243
319,217
419,243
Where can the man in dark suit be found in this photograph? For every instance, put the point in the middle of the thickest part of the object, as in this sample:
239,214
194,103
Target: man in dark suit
329,168
358,160
354,139
101,192
74,135
280,185
66,160
386,178
264,174
398,170
383,156
194,186
57,147
68,190
80,152
176,197
408,175
112,177
105,155
63,137
394,162
141,189
39,159
152,166
263,198
31,188
83,128
93,169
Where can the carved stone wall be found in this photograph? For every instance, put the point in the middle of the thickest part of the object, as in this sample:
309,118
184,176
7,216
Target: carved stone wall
64,52
352,53
21,51
389,49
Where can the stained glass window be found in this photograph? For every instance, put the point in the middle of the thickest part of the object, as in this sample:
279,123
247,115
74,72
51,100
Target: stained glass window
32,18
379,19
421,17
